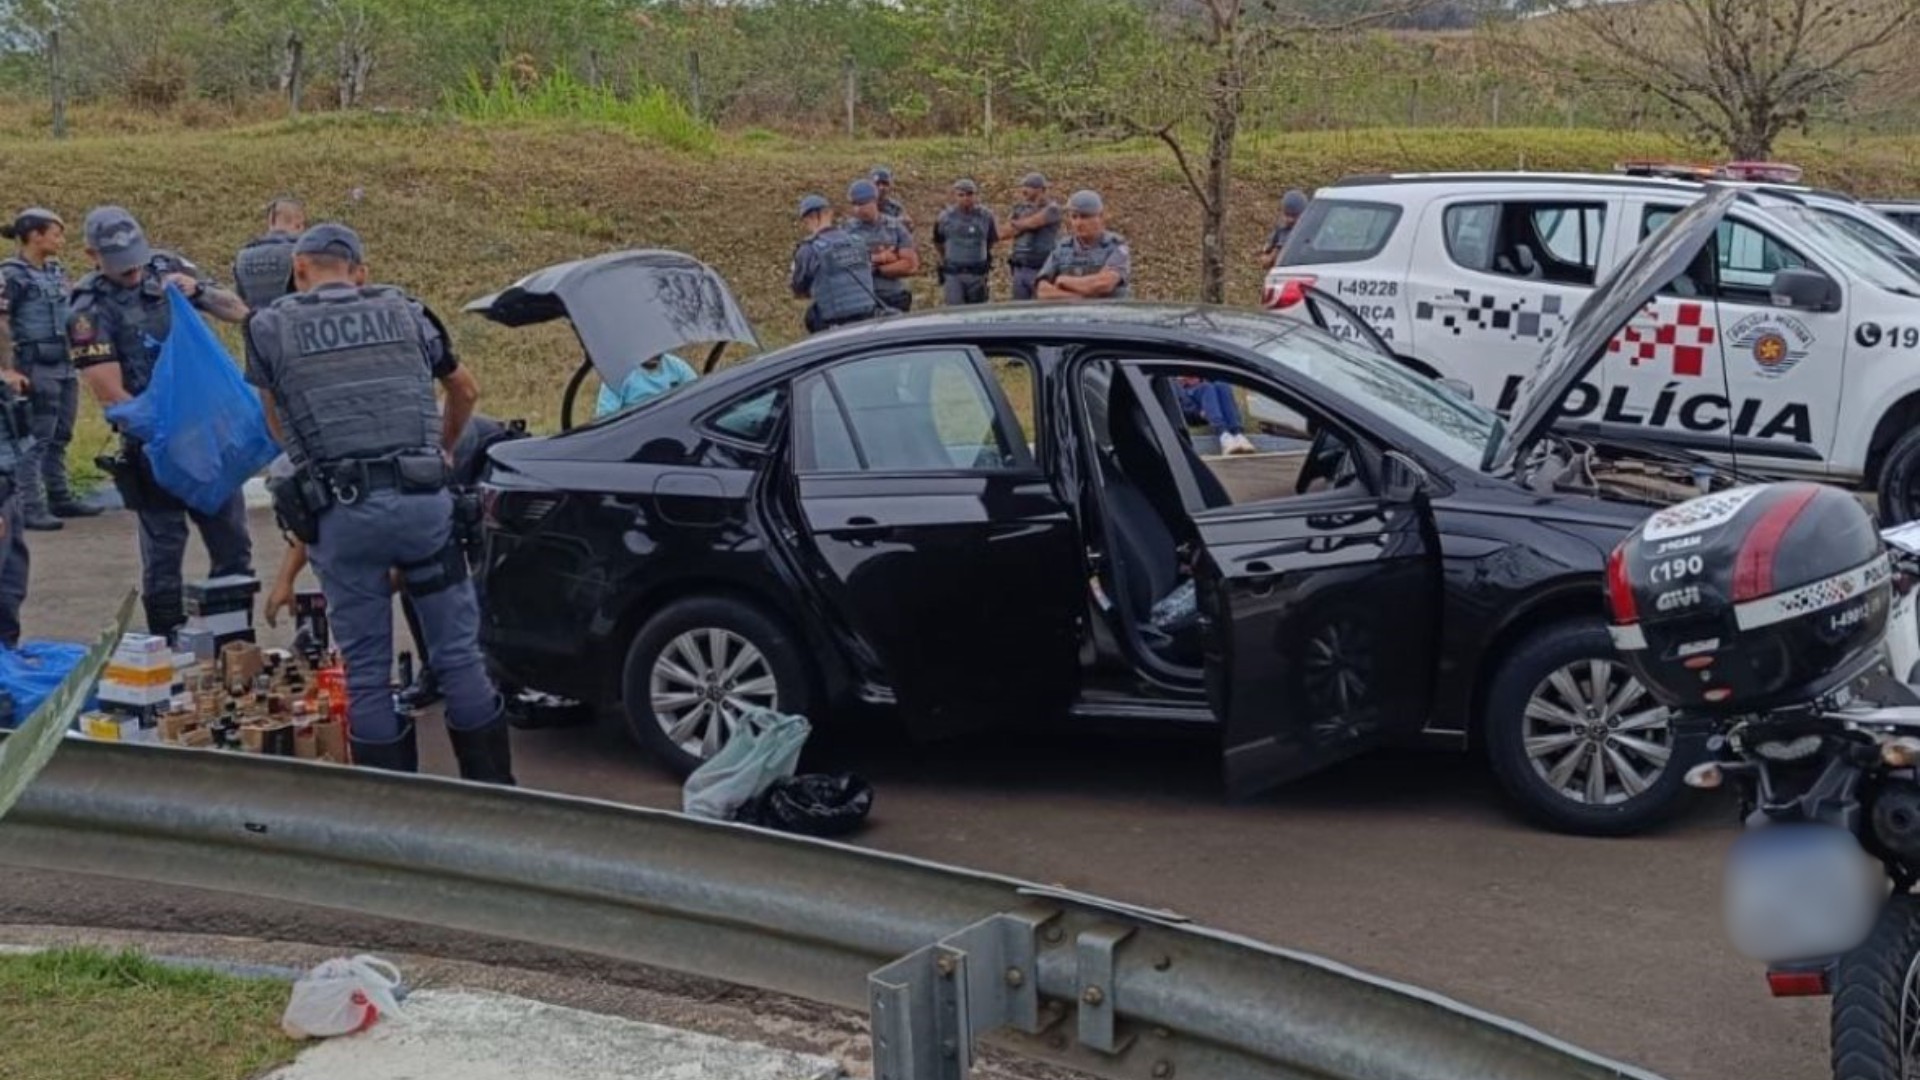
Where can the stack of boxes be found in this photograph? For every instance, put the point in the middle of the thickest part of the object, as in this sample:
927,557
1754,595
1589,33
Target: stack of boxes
219,613
136,690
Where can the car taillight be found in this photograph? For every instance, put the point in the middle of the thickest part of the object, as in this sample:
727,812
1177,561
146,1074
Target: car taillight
1281,293
1619,589
1798,982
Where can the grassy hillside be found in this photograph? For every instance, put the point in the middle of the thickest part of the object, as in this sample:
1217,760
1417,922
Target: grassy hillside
453,211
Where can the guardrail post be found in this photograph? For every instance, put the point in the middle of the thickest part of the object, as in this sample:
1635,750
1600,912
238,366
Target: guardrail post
930,1005
1094,952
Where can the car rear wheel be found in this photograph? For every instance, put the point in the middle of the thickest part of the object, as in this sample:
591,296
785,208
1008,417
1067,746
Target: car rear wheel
700,670
1899,487
1577,741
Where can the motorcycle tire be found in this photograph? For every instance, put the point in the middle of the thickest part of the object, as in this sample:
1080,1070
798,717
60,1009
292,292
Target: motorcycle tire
1869,997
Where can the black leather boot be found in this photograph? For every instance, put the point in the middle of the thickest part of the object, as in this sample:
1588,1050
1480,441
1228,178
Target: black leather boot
400,755
485,754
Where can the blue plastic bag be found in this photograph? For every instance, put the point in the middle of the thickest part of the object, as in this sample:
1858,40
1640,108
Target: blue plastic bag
34,670
203,427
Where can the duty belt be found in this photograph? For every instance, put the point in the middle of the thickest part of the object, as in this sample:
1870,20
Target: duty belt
351,481
969,268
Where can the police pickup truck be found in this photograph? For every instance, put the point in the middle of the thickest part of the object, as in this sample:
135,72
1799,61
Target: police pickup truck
1792,347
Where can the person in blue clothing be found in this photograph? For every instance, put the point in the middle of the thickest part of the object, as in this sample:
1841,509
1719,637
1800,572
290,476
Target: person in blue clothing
1212,403
655,376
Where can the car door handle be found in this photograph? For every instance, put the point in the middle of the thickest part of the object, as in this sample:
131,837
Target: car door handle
860,530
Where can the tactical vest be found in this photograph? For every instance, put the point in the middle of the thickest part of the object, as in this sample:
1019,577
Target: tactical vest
1031,248
963,236
893,208
349,374
1072,260
136,319
263,271
38,319
879,233
843,285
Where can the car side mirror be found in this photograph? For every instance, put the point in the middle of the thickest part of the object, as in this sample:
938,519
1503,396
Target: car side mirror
1460,387
1402,478
1805,290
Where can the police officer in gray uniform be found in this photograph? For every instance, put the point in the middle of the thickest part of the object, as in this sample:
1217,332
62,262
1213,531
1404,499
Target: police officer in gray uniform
889,245
263,270
15,444
1035,223
33,296
833,269
964,234
1090,263
890,205
116,325
346,372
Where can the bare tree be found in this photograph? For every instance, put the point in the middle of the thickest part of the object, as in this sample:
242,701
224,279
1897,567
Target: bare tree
1231,47
1742,72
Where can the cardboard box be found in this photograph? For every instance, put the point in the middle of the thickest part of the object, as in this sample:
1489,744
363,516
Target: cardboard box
135,697
214,596
203,644
305,744
198,737
241,663
123,675
108,727
143,645
330,739
173,727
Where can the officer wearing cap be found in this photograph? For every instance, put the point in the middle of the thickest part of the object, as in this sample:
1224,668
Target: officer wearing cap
33,297
346,373
1292,205
964,234
831,268
889,245
1035,224
890,205
116,324
263,270
1090,263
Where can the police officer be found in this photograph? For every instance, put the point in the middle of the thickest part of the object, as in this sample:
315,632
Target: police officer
889,244
890,204
1292,205
1035,224
33,296
346,372
118,320
263,270
1090,263
15,442
833,269
964,234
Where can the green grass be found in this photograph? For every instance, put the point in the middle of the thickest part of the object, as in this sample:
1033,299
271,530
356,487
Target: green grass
85,1014
655,115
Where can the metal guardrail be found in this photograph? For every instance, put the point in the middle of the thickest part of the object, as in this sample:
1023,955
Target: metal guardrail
940,956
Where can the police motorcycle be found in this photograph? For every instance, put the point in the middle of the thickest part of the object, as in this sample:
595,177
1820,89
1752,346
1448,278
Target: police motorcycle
1780,626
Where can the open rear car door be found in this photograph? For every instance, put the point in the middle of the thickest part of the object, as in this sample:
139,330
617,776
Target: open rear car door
625,306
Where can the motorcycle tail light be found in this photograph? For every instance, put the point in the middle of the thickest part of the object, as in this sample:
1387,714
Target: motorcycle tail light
1798,982
1705,777
1901,753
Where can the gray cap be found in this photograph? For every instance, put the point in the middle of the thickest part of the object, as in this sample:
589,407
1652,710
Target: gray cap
332,238
813,204
1033,180
966,187
1086,202
861,192
40,213
117,238
881,174
1294,202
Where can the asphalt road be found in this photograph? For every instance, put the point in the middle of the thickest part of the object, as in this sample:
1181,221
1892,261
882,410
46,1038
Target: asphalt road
1403,865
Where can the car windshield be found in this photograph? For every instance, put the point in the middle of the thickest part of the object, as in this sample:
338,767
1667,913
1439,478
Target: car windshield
1416,404
1863,258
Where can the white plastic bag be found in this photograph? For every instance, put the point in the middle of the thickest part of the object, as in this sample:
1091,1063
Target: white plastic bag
765,748
340,997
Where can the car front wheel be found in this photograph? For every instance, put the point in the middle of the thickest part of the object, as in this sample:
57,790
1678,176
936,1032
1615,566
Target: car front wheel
700,670
1577,741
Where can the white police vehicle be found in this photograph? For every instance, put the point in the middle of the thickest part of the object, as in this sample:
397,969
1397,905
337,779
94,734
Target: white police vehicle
1903,212
1793,348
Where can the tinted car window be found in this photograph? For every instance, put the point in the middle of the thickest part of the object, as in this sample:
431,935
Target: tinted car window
750,419
1540,241
1469,232
1747,261
1337,230
911,412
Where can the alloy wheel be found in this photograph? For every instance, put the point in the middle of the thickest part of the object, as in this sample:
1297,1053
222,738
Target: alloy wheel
1595,734
706,685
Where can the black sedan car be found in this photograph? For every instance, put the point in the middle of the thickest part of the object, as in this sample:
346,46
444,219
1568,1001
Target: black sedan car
998,516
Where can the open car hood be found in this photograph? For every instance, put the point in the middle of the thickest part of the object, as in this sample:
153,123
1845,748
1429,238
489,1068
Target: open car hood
626,306
1658,260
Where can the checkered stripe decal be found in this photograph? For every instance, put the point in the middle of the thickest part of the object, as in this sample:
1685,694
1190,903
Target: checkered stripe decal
1807,599
1526,318
1680,336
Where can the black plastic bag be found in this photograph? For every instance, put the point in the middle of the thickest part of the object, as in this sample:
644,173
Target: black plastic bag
815,804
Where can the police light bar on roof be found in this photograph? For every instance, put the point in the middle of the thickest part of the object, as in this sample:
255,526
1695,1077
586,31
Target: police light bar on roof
1753,172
